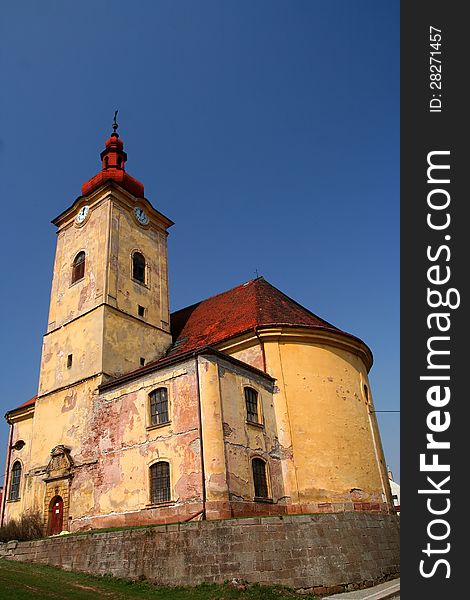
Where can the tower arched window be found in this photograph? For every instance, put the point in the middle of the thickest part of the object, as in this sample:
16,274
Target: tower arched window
15,481
160,482
138,267
159,406
78,267
251,403
260,479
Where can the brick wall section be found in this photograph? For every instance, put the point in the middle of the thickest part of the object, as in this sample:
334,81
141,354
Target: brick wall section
324,551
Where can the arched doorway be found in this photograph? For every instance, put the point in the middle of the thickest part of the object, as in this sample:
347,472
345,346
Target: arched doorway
56,515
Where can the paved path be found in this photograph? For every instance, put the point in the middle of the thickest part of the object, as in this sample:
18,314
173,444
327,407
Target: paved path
389,589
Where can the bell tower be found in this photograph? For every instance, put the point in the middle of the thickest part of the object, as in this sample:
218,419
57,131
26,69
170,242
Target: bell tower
109,308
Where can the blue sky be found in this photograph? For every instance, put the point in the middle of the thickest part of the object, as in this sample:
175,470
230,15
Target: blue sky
268,130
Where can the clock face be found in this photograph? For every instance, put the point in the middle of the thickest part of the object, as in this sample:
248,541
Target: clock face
141,215
82,215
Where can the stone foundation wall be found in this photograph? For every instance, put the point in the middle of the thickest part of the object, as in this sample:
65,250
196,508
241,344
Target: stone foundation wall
186,511
327,552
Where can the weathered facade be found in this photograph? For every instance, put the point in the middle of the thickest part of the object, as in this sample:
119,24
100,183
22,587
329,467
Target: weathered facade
244,404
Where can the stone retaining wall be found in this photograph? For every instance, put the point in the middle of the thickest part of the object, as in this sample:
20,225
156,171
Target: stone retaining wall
327,552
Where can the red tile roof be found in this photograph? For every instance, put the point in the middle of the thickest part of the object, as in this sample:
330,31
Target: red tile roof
254,304
119,176
113,160
24,405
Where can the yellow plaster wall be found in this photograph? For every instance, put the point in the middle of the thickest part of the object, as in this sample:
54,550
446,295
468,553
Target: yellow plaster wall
96,321
252,355
109,236
104,339
328,435
332,441
125,445
245,440
22,430
127,339
83,338
127,236
60,418
212,431
71,300
64,418
281,413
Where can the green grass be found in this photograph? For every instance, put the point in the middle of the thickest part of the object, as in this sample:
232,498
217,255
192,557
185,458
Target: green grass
20,581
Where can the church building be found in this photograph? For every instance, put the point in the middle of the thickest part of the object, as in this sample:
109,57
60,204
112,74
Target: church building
243,404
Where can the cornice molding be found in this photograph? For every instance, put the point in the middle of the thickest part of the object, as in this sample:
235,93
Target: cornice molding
309,335
111,190
20,414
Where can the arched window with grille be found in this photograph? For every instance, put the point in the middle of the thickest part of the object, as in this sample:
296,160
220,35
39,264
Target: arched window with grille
78,267
260,479
159,406
15,481
251,403
138,267
160,482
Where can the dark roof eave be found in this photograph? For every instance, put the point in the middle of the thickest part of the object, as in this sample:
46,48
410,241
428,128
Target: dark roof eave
171,360
19,409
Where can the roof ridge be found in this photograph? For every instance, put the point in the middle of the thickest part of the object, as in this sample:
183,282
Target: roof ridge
327,323
257,299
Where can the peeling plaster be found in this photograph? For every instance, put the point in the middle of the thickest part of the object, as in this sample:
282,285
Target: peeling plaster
69,402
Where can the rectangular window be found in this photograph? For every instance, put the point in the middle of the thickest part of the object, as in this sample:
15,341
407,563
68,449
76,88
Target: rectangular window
142,361
159,406
15,481
69,361
259,478
140,310
160,482
251,401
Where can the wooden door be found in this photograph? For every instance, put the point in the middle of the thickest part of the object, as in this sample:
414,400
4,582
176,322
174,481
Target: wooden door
56,515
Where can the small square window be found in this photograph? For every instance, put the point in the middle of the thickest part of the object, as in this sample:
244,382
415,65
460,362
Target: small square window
140,310
69,361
